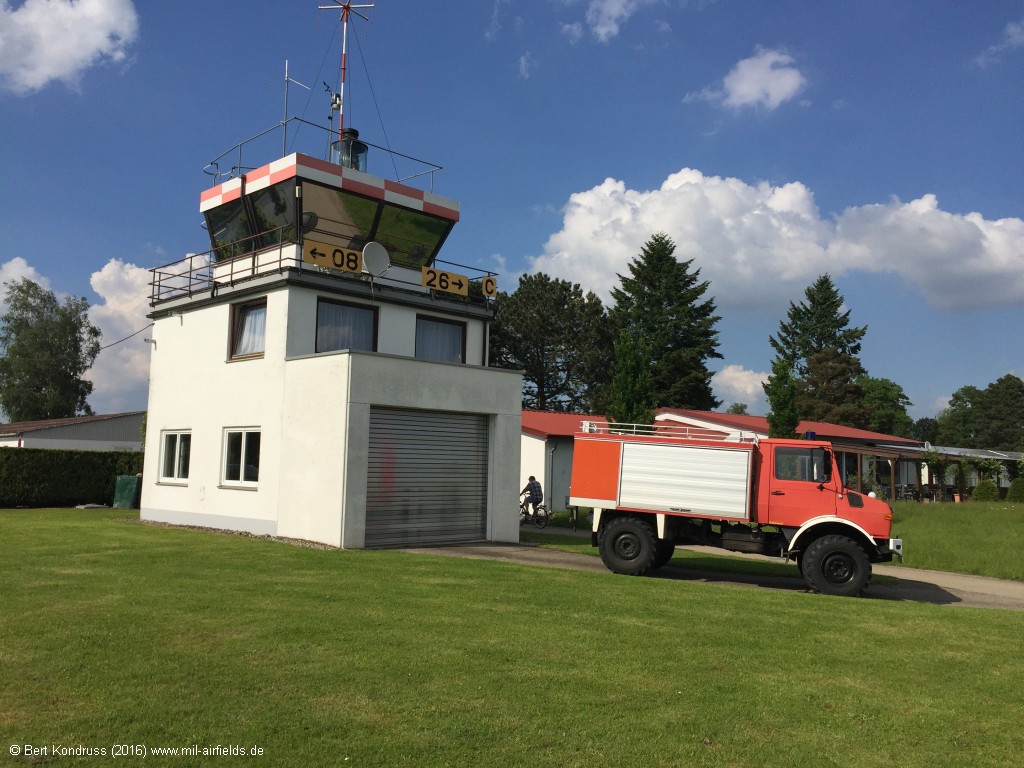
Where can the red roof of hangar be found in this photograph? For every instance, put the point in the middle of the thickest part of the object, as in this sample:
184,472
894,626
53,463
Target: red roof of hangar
822,430
545,424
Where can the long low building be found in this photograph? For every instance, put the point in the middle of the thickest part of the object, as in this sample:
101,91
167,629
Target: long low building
109,432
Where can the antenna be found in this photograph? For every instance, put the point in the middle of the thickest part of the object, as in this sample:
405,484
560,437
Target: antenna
284,122
338,99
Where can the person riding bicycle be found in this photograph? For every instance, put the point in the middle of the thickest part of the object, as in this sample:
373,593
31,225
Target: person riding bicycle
533,492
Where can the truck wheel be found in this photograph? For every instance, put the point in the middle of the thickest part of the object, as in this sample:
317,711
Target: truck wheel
663,551
836,565
628,546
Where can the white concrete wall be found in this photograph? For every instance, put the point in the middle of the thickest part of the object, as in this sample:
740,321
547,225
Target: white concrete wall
193,386
313,413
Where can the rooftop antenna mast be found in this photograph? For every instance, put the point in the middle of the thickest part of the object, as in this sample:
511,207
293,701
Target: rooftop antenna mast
338,99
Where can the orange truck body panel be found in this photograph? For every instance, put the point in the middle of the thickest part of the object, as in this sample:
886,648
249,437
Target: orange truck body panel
601,467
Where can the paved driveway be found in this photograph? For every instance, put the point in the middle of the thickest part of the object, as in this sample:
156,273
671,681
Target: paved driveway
906,584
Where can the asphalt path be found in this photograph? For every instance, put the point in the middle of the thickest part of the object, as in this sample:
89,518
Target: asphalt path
904,584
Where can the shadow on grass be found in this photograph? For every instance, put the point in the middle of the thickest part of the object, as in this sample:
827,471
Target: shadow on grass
747,571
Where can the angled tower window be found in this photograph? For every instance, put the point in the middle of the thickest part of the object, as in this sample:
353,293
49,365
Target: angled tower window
273,213
230,231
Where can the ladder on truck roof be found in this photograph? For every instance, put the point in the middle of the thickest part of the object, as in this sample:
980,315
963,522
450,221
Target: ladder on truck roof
665,430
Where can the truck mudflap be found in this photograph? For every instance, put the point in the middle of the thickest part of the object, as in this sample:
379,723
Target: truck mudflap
888,549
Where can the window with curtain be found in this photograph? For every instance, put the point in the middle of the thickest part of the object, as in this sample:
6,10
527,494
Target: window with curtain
345,326
441,340
177,450
241,456
248,329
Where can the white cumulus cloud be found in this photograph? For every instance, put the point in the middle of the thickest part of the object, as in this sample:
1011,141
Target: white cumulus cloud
46,40
767,80
736,384
11,272
761,244
120,375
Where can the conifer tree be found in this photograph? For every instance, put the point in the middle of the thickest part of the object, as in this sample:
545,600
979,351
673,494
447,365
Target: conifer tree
662,303
783,415
815,325
631,398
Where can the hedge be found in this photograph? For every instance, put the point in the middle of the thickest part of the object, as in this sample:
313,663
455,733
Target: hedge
37,477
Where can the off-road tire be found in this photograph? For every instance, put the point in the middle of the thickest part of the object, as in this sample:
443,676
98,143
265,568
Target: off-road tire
628,546
836,565
663,552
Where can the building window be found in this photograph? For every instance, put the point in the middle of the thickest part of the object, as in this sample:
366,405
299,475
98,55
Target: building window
248,329
345,326
441,340
241,456
177,449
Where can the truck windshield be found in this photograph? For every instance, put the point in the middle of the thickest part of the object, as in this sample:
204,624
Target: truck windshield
813,465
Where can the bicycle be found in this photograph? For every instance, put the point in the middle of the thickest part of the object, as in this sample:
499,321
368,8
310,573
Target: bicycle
539,516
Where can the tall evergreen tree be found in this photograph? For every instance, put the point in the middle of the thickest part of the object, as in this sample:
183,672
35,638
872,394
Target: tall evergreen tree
816,324
45,350
662,302
559,337
821,348
783,415
632,398
830,391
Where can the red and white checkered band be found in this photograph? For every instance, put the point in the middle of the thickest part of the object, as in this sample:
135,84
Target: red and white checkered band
350,180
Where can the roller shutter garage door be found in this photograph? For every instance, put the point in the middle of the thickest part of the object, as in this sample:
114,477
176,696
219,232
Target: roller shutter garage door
426,478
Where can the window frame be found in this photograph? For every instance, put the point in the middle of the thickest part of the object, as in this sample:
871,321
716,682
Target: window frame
237,311
176,478
441,321
805,461
372,308
241,481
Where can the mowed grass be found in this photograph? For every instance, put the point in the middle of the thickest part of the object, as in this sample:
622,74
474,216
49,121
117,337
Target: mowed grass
116,632
980,538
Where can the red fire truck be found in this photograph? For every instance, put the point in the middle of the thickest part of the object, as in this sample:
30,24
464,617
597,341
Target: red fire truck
653,487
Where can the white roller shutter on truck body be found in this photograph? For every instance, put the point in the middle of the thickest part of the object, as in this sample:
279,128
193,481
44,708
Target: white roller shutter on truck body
693,480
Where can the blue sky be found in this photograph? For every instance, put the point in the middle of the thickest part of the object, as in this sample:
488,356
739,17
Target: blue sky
881,142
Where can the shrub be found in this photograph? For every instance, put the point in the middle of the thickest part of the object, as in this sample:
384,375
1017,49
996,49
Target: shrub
1016,492
986,490
36,477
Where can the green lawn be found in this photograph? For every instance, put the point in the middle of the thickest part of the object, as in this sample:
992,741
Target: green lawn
981,538
117,632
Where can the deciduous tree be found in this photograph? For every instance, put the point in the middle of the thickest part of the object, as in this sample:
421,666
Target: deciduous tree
560,338
885,407
46,347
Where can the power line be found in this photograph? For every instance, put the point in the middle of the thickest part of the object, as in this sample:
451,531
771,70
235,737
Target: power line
125,338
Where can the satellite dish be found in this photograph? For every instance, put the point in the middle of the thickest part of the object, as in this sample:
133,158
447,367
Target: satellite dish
375,258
